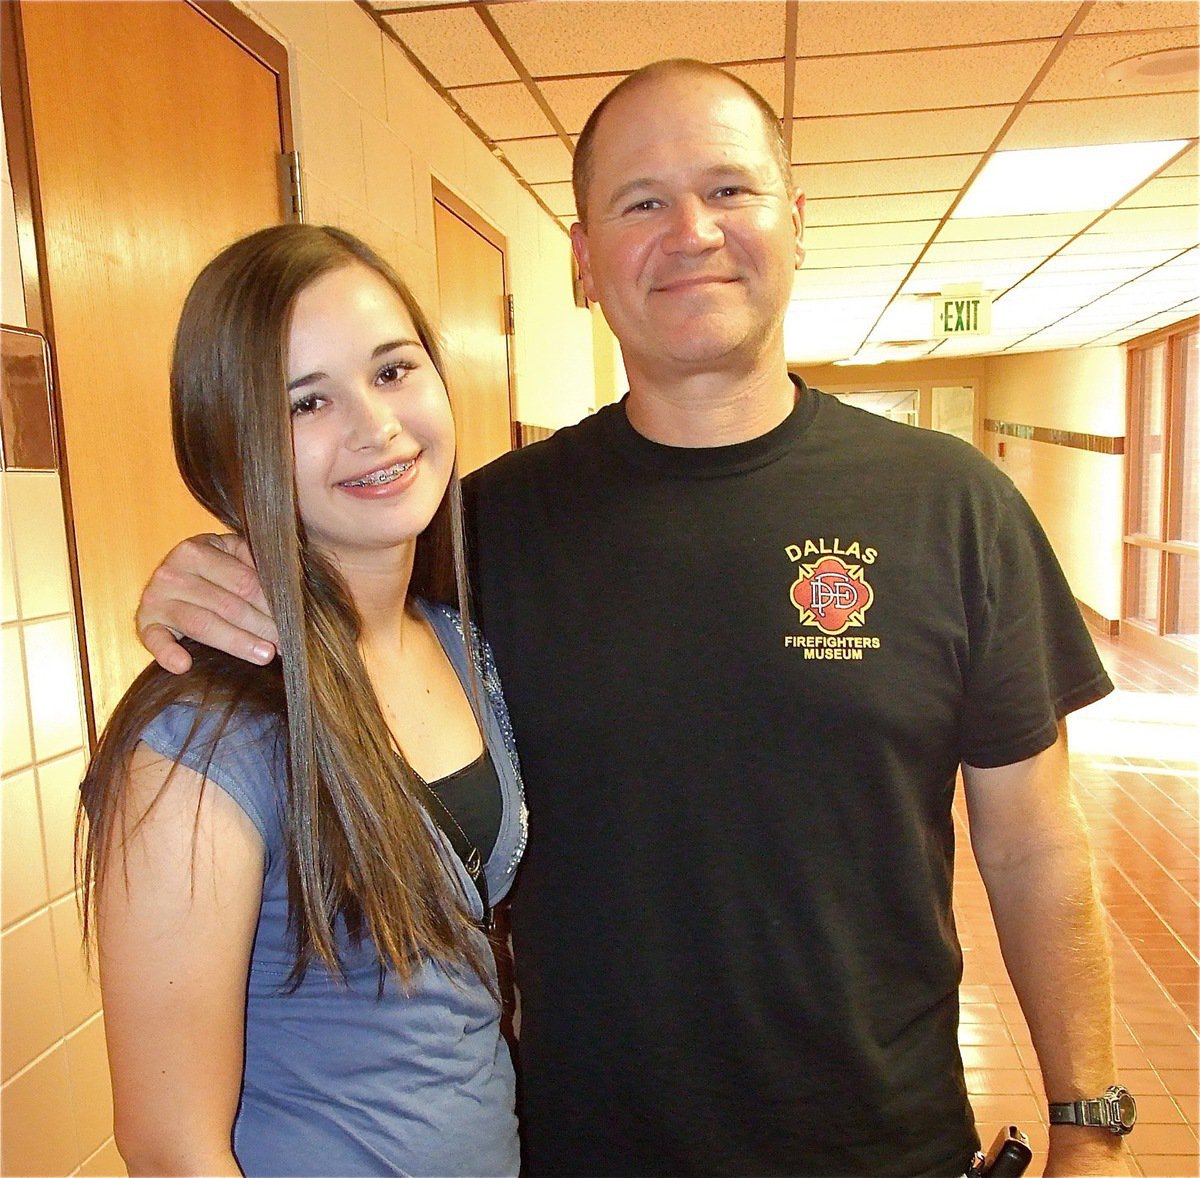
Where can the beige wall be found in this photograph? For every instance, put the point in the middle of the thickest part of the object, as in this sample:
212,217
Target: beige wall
371,134
1077,494
55,1108
1082,389
611,383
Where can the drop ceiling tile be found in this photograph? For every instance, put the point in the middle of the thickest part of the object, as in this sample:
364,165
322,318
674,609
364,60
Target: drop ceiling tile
1033,225
932,79
1099,246
1027,345
1082,255
1013,319
1143,222
881,176
1164,192
766,77
867,210
504,111
1080,286
1032,249
864,280
1146,118
1166,318
877,137
1150,14
1187,263
1173,240
828,329
559,197
1131,302
454,46
870,27
833,237
573,99
1080,71
1186,165
540,161
993,274
886,255
557,37
990,345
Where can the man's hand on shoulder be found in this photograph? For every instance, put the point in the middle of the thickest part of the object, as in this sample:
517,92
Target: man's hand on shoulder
206,589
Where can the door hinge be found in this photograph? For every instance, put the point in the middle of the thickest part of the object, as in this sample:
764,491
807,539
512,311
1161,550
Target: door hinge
290,187
510,315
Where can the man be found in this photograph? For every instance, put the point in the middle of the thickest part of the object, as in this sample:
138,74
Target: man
748,635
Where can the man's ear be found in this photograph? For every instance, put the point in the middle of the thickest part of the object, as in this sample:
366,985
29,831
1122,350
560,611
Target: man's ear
579,247
798,222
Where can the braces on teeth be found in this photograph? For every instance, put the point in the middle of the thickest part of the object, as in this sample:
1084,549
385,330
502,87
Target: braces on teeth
380,476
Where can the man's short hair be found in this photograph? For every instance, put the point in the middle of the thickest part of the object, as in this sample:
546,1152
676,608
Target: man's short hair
581,167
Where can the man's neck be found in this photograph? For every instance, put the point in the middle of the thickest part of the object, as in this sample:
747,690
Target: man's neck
712,409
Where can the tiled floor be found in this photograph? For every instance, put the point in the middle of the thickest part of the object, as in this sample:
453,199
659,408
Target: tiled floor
1134,763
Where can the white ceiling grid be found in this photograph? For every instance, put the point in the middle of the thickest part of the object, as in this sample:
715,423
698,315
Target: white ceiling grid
897,104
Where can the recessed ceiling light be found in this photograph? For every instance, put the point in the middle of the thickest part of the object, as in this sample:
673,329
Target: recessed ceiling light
1062,179
1162,65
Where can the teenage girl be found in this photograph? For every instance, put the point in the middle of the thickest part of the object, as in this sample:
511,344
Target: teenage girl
287,870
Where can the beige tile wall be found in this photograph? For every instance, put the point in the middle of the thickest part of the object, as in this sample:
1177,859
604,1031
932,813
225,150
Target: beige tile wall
55,1106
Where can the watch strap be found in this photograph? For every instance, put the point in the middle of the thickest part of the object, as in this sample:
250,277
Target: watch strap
1091,1113
1114,1111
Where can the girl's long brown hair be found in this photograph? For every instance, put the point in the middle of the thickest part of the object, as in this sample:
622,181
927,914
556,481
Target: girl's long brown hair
358,847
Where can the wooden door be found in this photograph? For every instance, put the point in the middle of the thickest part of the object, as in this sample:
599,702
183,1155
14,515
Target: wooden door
156,138
471,282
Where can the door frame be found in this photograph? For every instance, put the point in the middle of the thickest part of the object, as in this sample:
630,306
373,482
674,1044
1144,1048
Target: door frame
453,203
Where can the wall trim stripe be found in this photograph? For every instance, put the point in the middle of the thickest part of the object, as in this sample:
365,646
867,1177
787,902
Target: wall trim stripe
1096,443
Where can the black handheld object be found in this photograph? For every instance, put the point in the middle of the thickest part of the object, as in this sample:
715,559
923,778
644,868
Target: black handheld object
1009,1156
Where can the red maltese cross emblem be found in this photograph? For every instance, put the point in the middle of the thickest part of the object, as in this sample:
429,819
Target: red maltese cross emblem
831,595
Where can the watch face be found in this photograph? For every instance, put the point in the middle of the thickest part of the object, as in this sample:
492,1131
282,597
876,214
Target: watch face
1126,1110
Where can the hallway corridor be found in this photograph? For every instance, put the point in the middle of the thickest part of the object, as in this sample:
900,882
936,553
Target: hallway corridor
1134,761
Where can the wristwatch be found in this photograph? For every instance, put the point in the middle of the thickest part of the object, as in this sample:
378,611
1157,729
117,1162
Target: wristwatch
1115,1111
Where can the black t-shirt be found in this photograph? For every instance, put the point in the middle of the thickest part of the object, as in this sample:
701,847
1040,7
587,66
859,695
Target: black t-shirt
741,680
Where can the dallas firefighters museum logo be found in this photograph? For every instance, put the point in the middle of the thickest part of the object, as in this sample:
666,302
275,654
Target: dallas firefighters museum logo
832,595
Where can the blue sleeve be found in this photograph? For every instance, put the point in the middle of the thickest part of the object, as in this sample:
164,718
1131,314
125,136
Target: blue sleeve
245,757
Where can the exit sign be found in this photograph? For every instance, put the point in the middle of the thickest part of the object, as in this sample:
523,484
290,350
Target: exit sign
968,313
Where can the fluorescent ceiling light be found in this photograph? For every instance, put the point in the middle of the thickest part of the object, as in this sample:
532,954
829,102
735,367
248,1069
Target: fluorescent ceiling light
1062,179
